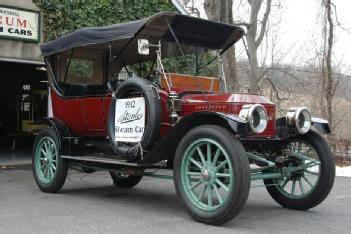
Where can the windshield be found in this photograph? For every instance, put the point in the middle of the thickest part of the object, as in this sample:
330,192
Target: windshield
178,59
190,60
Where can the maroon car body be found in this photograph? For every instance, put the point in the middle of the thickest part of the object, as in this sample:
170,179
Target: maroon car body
88,116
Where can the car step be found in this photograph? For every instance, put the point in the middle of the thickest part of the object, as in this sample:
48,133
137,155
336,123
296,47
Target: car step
106,159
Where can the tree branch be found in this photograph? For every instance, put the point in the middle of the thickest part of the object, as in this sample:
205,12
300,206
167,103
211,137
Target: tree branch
275,90
264,23
337,20
239,23
336,86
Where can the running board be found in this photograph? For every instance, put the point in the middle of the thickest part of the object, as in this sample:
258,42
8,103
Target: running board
106,159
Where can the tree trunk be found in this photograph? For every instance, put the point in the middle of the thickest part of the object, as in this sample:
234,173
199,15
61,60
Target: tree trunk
252,51
322,97
329,83
252,46
221,10
254,40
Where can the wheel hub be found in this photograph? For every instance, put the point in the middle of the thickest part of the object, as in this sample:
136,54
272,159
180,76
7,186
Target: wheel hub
48,158
297,174
205,175
208,173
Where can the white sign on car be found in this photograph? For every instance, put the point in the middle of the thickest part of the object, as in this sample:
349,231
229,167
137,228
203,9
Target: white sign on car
129,119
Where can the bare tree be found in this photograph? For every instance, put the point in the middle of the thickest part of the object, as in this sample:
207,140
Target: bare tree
222,11
327,83
329,86
254,39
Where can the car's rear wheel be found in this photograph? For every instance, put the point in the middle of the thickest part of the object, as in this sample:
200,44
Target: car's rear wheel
123,180
305,189
49,170
212,174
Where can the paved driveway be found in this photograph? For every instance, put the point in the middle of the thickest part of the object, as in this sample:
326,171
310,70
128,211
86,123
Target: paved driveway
90,204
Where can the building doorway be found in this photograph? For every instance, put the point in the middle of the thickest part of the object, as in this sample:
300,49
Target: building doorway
23,102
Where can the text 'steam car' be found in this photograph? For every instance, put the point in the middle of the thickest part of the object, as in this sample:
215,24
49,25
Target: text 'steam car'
215,142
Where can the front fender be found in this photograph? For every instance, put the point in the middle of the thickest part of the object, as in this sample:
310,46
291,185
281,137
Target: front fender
236,123
166,147
322,125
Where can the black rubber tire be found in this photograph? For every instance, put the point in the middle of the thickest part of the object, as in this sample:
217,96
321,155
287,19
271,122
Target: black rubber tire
242,177
125,182
61,170
324,184
154,116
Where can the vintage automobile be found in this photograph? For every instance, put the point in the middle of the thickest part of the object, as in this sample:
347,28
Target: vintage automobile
214,142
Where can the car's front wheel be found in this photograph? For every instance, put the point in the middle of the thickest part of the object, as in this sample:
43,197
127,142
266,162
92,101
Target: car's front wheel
212,174
308,187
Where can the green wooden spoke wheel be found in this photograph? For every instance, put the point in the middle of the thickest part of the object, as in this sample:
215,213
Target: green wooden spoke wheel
49,170
300,184
212,175
308,187
207,177
46,155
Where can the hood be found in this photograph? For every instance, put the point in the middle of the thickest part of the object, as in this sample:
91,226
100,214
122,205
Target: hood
241,98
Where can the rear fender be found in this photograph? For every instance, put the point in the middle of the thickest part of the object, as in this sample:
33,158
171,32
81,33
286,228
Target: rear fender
165,149
63,133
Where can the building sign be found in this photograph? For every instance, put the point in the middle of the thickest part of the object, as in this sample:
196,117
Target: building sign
19,24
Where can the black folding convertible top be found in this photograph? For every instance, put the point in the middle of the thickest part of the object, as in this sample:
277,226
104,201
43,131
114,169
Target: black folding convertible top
189,30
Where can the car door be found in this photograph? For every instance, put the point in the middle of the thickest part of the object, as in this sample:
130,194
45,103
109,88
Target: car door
84,83
95,118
